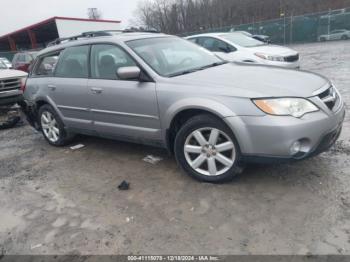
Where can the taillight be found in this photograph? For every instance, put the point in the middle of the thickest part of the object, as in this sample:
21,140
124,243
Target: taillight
23,84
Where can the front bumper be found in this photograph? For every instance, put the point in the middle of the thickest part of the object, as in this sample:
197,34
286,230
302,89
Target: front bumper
269,138
10,100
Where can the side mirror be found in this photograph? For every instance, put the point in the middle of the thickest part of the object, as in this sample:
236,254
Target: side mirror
129,73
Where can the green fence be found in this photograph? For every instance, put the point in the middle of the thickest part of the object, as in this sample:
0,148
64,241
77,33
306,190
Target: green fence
297,29
8,55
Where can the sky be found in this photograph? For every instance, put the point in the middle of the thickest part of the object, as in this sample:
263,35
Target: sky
16,14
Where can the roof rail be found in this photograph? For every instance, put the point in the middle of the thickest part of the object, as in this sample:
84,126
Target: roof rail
98,34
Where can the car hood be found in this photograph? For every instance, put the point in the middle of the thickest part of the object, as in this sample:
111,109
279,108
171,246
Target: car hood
9,73
273,50
253,81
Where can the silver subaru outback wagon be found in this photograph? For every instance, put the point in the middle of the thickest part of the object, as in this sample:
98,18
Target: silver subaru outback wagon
165,91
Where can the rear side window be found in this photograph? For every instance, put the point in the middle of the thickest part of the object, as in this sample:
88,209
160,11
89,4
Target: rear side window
73,62
47,65
107,59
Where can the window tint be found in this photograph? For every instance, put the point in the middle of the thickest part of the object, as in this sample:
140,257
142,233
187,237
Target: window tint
47,65
107,59
215,45
73,63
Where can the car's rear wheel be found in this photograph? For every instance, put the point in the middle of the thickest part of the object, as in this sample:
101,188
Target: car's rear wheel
344,37
207,150
52,127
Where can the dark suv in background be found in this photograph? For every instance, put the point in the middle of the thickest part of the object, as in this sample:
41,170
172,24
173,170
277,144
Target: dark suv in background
22,61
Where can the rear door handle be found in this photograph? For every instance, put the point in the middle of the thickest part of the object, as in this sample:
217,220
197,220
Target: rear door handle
52,87
96,91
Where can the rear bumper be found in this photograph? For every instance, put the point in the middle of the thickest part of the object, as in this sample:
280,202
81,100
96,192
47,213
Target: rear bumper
270,138
30,112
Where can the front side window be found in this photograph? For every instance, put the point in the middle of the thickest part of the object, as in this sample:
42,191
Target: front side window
47,65
171,56
215,45
107,59
73,62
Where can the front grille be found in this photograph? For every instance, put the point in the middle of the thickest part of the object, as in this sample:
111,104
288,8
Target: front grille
292,58
329,97
10,84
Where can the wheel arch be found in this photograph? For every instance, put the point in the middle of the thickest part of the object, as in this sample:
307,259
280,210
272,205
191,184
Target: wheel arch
182,111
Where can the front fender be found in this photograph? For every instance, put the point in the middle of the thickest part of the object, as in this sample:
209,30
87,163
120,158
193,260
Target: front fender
205,104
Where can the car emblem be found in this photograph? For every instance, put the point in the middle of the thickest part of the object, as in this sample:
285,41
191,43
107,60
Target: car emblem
2,84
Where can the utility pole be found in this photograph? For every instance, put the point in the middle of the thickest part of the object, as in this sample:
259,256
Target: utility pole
282,14
329,21
291,29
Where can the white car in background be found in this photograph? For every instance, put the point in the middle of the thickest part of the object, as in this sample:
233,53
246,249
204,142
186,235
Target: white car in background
238,47
340,34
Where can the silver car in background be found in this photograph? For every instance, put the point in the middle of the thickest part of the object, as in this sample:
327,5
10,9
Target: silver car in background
240,47
339,34
165,91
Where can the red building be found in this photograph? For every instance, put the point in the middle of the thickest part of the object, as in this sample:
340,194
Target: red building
39,35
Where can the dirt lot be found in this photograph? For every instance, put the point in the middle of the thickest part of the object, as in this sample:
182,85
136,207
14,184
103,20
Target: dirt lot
59,201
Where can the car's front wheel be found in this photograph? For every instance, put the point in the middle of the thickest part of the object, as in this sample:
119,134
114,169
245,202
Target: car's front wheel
52,127
207,150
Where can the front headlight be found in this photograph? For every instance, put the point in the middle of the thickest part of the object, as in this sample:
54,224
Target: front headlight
275,58
296,107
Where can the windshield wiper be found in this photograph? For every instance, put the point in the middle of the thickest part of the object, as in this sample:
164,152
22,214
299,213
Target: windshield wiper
197,69
213,65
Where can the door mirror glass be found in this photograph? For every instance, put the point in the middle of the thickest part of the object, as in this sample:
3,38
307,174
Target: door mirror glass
129,73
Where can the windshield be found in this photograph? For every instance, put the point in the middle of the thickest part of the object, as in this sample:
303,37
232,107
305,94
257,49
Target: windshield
172,56
2,65
242,40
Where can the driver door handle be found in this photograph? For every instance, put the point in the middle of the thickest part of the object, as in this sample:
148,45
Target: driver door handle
96,91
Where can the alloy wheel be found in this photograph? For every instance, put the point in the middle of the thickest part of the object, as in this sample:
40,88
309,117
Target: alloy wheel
50,127
210,151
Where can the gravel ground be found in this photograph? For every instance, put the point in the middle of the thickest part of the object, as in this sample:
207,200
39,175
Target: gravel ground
59,201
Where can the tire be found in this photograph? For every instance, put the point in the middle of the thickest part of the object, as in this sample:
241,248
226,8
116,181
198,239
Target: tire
198,159
344,37
52,127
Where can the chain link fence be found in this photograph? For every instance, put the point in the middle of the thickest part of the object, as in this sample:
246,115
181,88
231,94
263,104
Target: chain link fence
323,26
8,55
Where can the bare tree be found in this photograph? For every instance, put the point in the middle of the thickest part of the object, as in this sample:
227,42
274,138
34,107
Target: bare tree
180,16
94,14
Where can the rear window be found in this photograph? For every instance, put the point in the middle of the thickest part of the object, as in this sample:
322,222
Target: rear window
73,62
